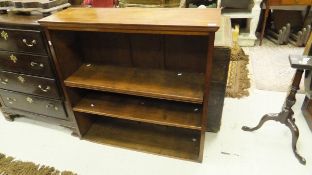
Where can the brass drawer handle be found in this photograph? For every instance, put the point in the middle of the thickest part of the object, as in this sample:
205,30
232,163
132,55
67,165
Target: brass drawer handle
13,58
21,79
11,100
33,42
4,35
44,89
50,105
4,81
36,65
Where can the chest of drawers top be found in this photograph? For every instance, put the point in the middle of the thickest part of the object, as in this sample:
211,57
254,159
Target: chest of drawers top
19,20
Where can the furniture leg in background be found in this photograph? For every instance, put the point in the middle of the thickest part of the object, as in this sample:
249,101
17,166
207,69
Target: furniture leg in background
266,15
270,3
307,12
8,116
300,63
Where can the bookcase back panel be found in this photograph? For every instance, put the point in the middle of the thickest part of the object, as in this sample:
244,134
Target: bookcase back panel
106,48
147,51
187,53
170,52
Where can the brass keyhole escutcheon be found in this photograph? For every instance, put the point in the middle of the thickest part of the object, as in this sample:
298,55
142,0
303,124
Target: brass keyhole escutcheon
13,58
4,35
29,100
21,79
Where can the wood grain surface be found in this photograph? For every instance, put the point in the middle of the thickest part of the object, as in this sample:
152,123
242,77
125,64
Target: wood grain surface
141,109
187,87
172,142
136,20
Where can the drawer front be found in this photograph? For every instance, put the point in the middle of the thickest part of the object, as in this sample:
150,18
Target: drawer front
30,41
29,84
24,63
51,108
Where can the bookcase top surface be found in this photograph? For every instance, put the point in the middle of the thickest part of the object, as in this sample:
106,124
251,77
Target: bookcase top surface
135,19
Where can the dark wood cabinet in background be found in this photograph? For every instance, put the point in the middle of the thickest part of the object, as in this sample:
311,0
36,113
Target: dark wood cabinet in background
307,104
28,85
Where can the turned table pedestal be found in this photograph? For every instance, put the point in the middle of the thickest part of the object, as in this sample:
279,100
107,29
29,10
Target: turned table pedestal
300,63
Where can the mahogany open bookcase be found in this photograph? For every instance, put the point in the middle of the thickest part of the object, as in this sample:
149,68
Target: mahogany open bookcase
137,78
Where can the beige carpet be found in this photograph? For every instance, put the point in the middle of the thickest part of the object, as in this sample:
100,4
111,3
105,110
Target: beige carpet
270,67
10,166
238,81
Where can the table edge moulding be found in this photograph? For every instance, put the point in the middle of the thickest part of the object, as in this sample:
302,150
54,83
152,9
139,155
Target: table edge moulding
130,20
119,89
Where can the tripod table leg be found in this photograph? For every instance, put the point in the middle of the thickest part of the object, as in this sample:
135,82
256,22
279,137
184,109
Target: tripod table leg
264,119
295,134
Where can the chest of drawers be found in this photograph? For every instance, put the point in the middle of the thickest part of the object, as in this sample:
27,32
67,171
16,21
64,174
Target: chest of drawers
28,83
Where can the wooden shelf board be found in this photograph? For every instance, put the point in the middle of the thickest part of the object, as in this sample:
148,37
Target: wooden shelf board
146,138
161,84
142,109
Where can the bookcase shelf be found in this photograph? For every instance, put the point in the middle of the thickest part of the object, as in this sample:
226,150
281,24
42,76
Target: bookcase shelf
147,110
135,79
172,142
179,86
